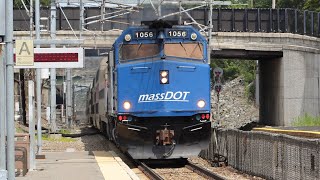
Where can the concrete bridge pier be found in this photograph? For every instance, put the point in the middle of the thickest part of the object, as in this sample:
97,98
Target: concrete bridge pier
289,86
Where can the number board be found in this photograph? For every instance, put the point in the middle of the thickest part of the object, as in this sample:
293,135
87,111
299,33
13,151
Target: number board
177,33
145,34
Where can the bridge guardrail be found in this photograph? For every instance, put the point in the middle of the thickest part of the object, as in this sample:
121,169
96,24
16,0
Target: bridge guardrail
224,20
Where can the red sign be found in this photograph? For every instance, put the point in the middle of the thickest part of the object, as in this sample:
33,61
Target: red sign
56,58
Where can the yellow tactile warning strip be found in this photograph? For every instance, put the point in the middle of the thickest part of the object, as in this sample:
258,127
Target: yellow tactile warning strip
112,166
300,133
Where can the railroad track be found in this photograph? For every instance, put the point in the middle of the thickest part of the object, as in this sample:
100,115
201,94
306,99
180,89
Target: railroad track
149,172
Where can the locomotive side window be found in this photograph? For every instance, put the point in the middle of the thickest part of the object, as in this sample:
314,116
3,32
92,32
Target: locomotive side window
136,51
184,50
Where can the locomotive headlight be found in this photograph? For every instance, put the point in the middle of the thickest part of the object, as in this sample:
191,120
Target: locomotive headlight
164,80
126,105
164,73
201,103
164,77
193,36
127,37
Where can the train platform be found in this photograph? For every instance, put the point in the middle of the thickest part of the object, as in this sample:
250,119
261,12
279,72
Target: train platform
304,131
98,165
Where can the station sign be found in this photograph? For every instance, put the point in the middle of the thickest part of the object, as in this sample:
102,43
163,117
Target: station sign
55,58
24,55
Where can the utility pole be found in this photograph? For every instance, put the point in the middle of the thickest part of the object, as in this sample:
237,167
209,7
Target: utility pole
53,18
10,90
38,74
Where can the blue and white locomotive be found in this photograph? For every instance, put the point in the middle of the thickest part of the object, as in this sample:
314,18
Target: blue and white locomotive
152,94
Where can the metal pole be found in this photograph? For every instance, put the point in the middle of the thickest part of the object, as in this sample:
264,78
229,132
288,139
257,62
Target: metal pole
103,11
81,19
10,91
69,98
2,111
273,4
31,124
38,71
209,33
31,18
180,15
159,8
53,18
257,85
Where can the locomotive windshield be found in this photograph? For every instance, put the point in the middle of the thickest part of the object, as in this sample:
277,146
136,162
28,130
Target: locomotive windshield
136,51
184,50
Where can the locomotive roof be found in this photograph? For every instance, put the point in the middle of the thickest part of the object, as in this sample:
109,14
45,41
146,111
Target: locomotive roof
156,28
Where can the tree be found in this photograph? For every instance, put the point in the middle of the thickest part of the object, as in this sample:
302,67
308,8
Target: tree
19,4
312,5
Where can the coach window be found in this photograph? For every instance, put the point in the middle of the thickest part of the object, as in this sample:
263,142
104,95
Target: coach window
137,51
184,50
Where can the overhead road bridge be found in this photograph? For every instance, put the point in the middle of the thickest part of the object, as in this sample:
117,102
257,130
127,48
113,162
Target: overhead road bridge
285,41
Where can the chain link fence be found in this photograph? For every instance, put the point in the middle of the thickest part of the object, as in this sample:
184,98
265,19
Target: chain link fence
271,156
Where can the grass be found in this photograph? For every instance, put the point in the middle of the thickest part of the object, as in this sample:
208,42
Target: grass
19,130
307,120
62,139
64,131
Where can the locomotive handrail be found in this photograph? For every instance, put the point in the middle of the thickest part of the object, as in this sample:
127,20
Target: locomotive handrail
187,67
133,68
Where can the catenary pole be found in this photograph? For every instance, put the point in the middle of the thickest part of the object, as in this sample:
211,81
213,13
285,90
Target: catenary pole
69,98
31,124
209,32
159,8
10,90
53,70
81,18
2,111
31,18
38,76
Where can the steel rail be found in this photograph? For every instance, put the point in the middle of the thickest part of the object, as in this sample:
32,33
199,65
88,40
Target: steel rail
148,171
203,172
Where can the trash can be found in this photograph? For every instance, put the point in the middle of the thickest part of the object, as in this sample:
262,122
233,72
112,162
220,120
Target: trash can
22,148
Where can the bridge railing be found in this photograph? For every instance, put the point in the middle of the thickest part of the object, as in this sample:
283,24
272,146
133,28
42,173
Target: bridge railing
224,20
267,20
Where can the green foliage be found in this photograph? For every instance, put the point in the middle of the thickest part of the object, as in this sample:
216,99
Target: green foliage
64,131
312,5
307,120
62,139
19,4
295,4
262,4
